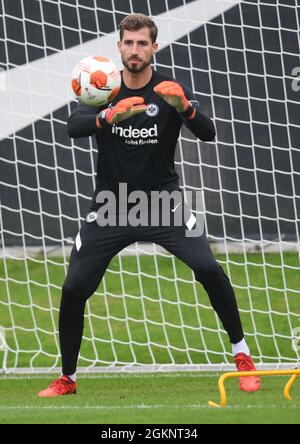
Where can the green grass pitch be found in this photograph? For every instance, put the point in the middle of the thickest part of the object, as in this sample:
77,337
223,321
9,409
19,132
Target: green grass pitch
129,313
147,399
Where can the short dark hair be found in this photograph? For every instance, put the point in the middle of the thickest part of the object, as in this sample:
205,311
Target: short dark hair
135,22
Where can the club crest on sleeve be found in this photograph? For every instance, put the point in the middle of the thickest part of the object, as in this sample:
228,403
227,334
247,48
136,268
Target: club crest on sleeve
91,217
152,110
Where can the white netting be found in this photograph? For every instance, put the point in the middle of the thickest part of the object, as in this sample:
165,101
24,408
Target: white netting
241,58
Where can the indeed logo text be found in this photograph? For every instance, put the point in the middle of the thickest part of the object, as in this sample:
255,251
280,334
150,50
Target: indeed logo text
135,133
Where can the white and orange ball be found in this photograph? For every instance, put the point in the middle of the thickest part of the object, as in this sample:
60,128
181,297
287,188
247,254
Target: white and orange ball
96,80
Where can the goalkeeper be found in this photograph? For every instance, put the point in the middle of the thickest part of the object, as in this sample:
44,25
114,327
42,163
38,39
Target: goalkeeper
137,136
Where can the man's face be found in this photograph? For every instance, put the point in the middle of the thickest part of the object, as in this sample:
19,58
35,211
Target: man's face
137,49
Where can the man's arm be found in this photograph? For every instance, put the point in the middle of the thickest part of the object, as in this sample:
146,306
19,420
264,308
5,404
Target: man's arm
200,125
188,109
85,120
82,121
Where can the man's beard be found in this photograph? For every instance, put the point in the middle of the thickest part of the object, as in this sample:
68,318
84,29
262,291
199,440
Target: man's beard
136,68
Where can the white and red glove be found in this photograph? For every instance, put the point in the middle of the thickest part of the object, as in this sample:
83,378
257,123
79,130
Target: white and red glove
174,95
122,110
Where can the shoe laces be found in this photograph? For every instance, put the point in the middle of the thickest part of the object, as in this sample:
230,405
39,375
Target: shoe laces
60,381
244,363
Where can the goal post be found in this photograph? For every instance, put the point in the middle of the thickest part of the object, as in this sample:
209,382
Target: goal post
241,58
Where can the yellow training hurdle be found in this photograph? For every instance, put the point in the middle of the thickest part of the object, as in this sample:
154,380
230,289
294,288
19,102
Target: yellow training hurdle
286,392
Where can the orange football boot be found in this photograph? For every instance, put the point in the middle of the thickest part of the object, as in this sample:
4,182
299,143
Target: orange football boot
61,386
244,363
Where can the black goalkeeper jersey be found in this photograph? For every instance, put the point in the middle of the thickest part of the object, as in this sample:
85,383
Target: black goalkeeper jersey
140,150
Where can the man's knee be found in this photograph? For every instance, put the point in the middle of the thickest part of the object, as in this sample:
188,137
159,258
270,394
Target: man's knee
73,291
76,288
209,272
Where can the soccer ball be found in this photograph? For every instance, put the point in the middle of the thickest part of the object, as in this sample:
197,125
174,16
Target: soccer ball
96,80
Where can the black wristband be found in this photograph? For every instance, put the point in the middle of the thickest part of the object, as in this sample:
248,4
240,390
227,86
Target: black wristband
101,120
188,112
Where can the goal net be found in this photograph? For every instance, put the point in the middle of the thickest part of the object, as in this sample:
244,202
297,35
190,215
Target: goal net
241,58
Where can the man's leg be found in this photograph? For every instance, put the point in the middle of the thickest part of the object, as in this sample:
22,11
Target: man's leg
197,254
93,249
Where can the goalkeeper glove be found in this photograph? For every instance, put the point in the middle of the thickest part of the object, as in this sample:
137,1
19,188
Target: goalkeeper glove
174,95
122,110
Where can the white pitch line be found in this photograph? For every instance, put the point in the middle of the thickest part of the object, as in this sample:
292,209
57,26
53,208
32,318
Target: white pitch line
149,407
82,377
